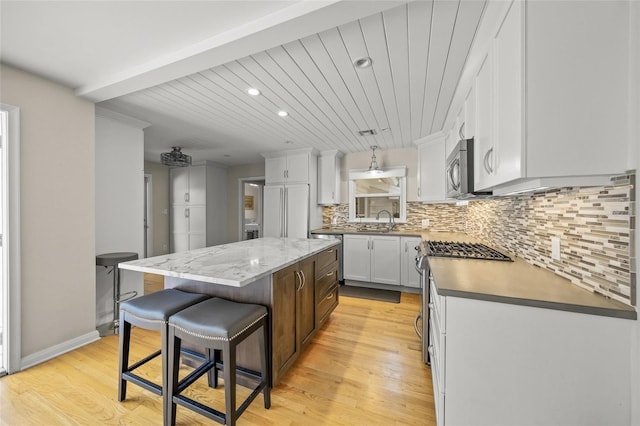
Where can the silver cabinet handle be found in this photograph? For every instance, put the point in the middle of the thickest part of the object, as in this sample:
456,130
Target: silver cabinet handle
330,251
186,212
430,306
304,280
487,165
282,206
330,296
329,274
461,131
419,195
298,288
430,350
415,326
456,164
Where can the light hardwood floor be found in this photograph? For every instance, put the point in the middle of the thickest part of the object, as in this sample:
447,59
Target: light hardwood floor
362,368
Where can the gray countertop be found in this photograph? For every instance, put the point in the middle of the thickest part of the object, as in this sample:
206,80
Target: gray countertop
234,264
516,282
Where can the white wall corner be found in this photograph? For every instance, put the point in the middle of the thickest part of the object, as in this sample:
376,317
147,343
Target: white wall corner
59,349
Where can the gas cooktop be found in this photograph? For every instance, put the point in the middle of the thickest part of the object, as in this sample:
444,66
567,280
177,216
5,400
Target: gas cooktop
463,250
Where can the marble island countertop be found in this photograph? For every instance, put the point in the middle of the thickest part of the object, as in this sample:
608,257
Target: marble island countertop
233,264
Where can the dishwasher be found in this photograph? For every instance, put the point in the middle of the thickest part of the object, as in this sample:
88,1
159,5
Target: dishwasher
340,259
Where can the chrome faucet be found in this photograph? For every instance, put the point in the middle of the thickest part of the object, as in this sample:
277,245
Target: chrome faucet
391,223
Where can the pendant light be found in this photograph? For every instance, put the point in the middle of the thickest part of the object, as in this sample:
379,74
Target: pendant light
373,167
175,158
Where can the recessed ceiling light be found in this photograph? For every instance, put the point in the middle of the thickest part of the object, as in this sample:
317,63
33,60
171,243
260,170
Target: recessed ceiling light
253,91
282,113
363,62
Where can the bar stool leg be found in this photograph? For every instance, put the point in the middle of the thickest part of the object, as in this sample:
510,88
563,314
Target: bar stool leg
229,360
171,388
264,366
124,343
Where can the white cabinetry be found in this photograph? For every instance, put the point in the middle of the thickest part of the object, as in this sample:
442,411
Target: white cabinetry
431,168
488,370
372,258
329,177
409,276
544,108
291,167
198,218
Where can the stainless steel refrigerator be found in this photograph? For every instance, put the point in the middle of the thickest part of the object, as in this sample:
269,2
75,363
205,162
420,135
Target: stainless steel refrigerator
286,211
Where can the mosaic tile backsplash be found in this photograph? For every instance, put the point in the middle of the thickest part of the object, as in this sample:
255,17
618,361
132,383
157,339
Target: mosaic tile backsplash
595,226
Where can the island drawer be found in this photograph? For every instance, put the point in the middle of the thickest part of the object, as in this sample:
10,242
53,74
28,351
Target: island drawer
326,258
324,282
326,305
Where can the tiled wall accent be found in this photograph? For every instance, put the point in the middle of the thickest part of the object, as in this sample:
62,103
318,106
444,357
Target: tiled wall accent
596,228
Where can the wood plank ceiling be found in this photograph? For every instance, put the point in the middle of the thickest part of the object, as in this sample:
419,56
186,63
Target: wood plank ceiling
418,52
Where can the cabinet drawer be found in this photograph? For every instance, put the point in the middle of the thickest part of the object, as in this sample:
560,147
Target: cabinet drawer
437,352
328,279
326,258
326,305
438,305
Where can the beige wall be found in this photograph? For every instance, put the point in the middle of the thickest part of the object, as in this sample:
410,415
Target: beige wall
160,208
57,210
233,191
388,158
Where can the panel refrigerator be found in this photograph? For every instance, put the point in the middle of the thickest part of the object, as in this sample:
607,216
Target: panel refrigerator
286,211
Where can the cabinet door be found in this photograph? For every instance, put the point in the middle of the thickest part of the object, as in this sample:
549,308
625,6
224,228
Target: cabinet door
385,260
298,168
357,257
431,168
197,185
470,114
409,276
275,170
179,242
508,135
197,241
483,144
180,219
328,180
297,211
197,219
273,211
179,177
306,295
284,325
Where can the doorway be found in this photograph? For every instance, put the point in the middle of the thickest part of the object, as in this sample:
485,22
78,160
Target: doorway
9,239
148,217
250,217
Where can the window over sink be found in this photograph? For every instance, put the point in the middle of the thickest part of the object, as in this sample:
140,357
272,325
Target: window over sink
371,192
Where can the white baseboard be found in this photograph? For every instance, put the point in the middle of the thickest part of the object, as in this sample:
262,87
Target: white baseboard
59,349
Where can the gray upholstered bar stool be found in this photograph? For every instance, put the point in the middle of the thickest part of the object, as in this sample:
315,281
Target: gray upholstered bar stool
150,312
218,325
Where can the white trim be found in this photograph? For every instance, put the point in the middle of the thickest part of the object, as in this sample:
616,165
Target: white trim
116,116
149,214
59,349
12,262
434,137
241,182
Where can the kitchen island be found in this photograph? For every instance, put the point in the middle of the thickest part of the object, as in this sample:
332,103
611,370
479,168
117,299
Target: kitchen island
295,278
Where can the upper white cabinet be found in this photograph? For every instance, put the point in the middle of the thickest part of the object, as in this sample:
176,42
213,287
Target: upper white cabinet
198,218
470,114
288,167
551,102
431,168
329,177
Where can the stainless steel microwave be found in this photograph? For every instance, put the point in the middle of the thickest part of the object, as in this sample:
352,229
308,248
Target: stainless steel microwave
459,171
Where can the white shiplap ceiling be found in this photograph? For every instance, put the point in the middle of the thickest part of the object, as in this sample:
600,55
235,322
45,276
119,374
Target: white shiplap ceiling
418,50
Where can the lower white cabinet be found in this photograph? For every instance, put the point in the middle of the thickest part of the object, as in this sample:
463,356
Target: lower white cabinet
409,276
503,364
372,258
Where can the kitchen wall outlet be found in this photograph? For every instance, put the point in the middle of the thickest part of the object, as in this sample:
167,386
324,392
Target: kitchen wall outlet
555,248
425,223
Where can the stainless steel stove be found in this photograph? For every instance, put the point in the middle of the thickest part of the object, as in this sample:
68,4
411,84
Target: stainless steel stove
463,250
450,249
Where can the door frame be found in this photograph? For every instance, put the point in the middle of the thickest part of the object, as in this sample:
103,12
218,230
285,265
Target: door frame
148,215
11,240
241,182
